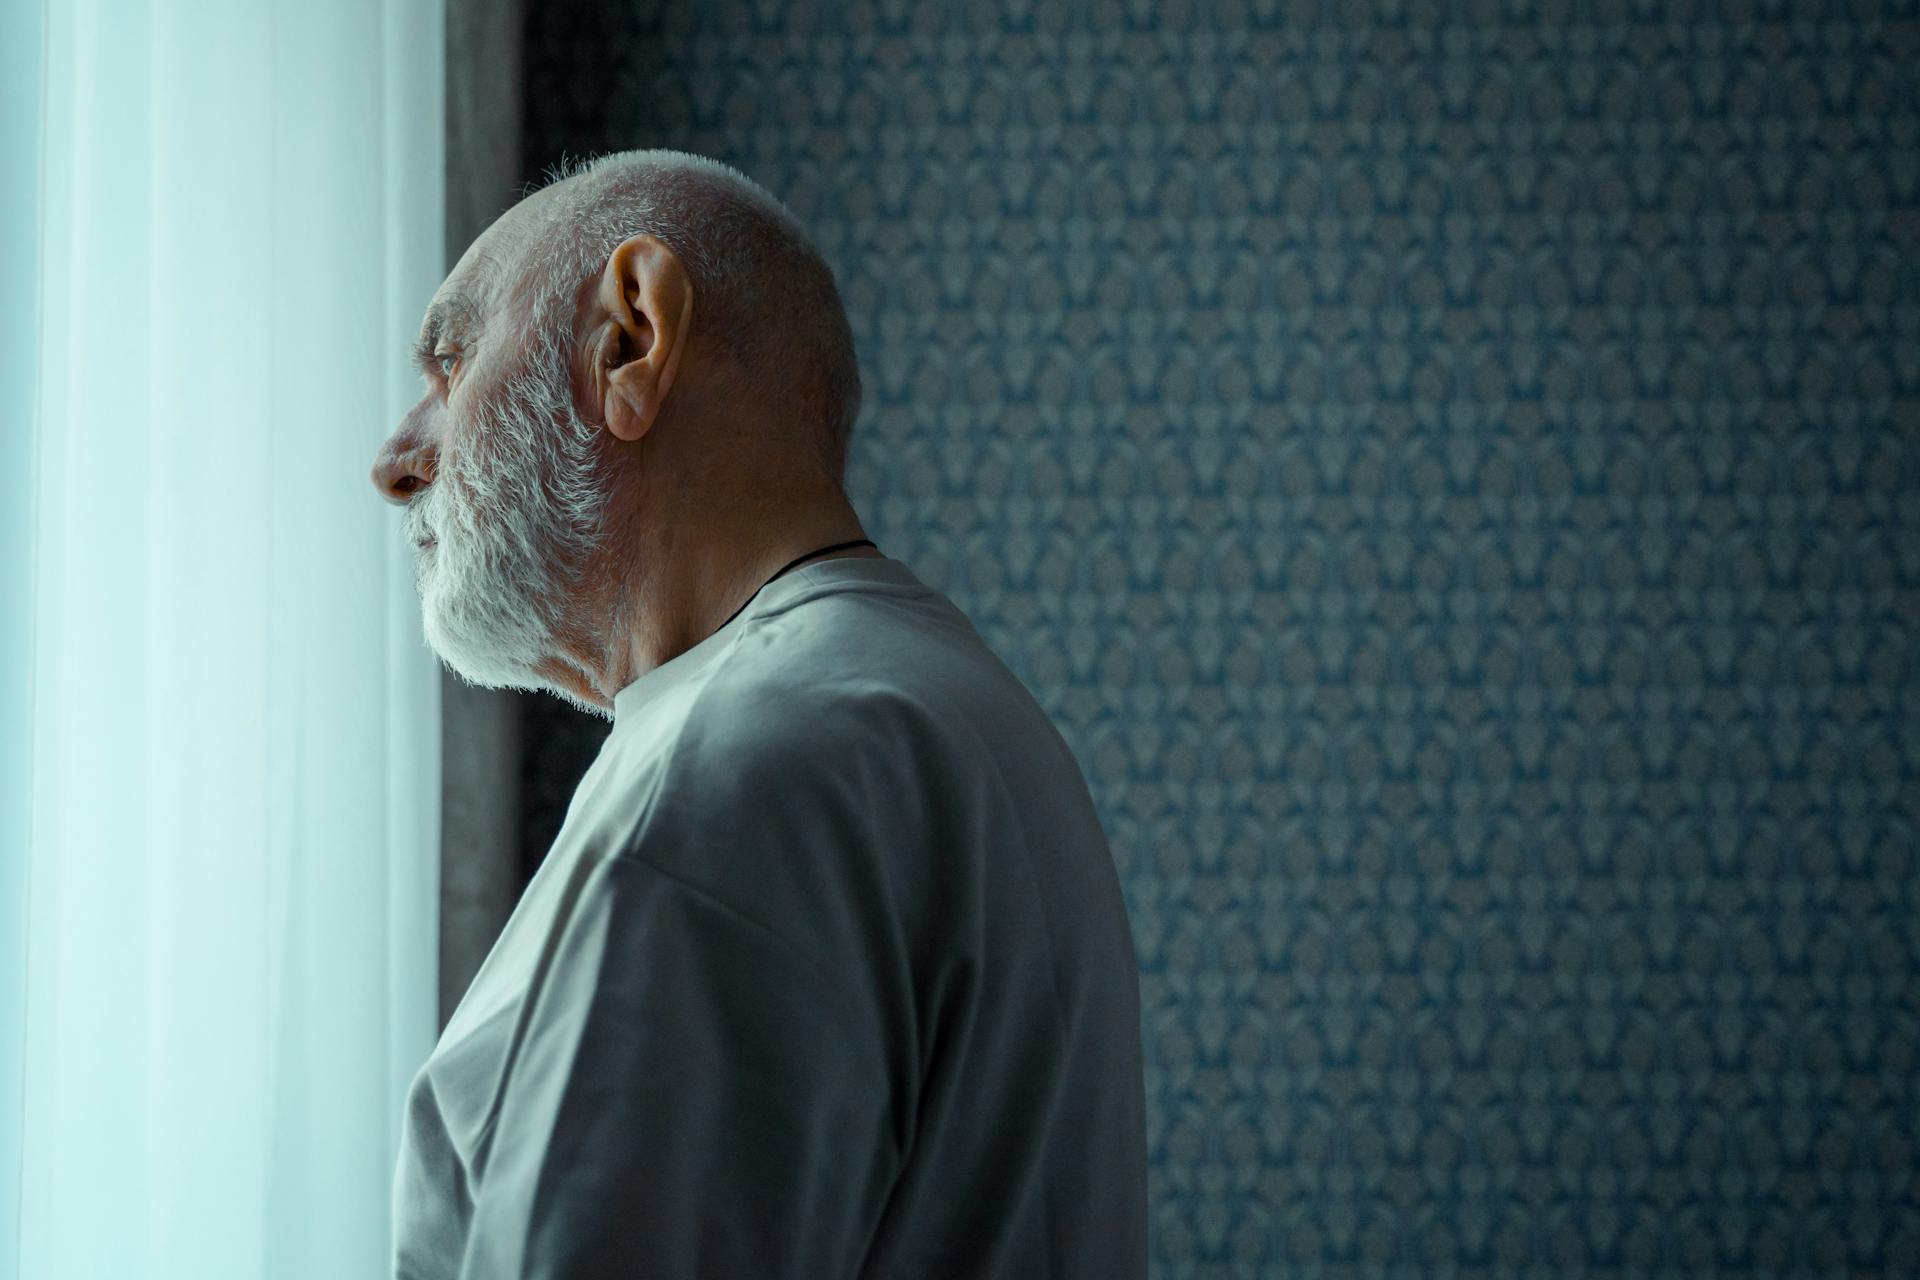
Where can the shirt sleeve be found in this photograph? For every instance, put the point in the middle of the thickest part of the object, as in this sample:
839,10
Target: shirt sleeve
693,1097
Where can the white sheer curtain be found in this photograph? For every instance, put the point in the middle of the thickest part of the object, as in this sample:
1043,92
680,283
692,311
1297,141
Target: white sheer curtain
225,757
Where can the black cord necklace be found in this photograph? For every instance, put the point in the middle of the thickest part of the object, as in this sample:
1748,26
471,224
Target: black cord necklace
838,546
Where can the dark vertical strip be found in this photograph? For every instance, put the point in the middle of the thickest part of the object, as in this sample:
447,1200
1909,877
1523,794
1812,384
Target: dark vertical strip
480,860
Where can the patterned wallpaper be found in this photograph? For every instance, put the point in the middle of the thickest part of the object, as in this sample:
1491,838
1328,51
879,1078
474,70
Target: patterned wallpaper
1453,474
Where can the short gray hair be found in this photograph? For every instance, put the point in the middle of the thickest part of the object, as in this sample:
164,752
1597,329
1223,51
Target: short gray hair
763,293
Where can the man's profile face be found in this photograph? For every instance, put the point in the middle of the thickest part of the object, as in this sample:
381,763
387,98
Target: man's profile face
500,476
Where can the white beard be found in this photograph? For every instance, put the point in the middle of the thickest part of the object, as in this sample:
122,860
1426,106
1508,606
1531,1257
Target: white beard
518,507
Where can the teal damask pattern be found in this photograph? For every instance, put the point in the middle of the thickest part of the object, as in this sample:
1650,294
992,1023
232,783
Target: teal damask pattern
1452,471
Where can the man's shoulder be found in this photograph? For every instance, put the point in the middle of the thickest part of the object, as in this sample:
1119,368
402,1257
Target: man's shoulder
749,721
845,729
796,805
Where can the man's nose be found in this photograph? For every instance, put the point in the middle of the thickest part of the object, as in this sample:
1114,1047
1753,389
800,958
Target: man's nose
404,466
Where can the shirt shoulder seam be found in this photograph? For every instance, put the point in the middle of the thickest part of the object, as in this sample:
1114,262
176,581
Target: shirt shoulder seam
823,976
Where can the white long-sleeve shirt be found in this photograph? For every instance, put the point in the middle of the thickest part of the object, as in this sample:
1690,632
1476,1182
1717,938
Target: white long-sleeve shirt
828,973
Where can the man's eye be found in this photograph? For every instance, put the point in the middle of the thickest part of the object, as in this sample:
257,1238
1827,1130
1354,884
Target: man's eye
442,358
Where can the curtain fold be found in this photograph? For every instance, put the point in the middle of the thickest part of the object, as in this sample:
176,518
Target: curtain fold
20,43
230,745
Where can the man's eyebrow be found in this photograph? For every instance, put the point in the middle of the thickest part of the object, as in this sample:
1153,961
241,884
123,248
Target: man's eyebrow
456,313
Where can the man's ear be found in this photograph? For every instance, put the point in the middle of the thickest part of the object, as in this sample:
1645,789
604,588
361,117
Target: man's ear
647,301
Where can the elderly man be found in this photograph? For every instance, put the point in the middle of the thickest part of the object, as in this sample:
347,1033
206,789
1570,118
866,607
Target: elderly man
828,972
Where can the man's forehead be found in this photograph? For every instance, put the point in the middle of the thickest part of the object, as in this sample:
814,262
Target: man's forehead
489,263
471,290
482,281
